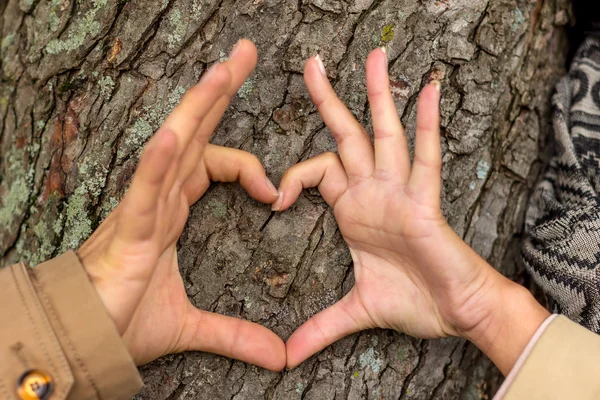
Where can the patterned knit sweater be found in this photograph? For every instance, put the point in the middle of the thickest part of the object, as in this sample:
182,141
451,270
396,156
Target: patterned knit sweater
561,248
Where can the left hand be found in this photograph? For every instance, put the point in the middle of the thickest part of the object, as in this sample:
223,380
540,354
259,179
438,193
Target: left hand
412,272
132,257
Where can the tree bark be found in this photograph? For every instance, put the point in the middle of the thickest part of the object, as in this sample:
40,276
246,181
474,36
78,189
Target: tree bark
85,83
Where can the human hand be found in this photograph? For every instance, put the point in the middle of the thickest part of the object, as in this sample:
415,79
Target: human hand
132,256
412,272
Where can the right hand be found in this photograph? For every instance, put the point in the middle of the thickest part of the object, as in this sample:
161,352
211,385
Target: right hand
412,272
132,257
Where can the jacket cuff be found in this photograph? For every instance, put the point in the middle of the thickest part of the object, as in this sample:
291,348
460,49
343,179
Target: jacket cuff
27,340
98,359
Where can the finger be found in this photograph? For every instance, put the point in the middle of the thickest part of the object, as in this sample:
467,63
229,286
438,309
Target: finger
355,147
187,117
222,164
140,205
324,171
233,338
330,325
391,148
242,61
425,179
197,103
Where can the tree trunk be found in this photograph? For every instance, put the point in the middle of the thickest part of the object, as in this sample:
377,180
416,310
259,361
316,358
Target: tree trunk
85,83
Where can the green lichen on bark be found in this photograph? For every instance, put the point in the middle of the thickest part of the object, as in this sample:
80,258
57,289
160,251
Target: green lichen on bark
79,33
53,21
178,29
218,209
153,117
15,201
26,4
139,133
7,41
47,230
107,85
518,19
78,224
387,33
196,7
371,358
246,89
482,169
108,206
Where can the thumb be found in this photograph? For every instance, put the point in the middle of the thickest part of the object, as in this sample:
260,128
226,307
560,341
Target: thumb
141,203
122,268
233,338
344,318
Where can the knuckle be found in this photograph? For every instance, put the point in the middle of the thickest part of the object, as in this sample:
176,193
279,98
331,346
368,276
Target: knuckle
221,74
288,175
340,136
326,99
385,133
430,163
377,94
252,159
331,157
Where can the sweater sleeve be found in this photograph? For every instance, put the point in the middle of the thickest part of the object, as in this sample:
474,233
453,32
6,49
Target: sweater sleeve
56,339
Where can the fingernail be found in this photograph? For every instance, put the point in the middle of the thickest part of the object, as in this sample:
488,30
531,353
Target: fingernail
321,65
437,85
384,50
277,204
209,73
272,187
238,46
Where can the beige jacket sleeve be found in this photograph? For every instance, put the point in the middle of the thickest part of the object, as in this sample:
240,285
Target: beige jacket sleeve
56,339
561,362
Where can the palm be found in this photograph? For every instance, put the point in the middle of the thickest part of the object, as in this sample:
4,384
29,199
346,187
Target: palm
369,205
159,320
156,327
382,247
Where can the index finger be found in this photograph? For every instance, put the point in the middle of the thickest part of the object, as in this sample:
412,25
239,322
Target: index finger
187,117
241,63
355,147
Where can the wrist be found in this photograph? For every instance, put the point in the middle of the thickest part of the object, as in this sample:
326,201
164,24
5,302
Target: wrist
513,317
92,258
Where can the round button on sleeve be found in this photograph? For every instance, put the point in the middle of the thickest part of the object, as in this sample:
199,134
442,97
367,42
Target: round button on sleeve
34,385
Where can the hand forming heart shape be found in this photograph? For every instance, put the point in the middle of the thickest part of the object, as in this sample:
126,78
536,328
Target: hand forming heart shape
412,272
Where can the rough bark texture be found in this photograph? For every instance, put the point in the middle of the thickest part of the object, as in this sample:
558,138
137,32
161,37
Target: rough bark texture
85,83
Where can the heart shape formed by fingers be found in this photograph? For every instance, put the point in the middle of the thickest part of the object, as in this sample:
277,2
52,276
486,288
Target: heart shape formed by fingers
387,210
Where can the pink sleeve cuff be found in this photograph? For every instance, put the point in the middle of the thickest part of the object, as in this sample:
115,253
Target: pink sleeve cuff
521,360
